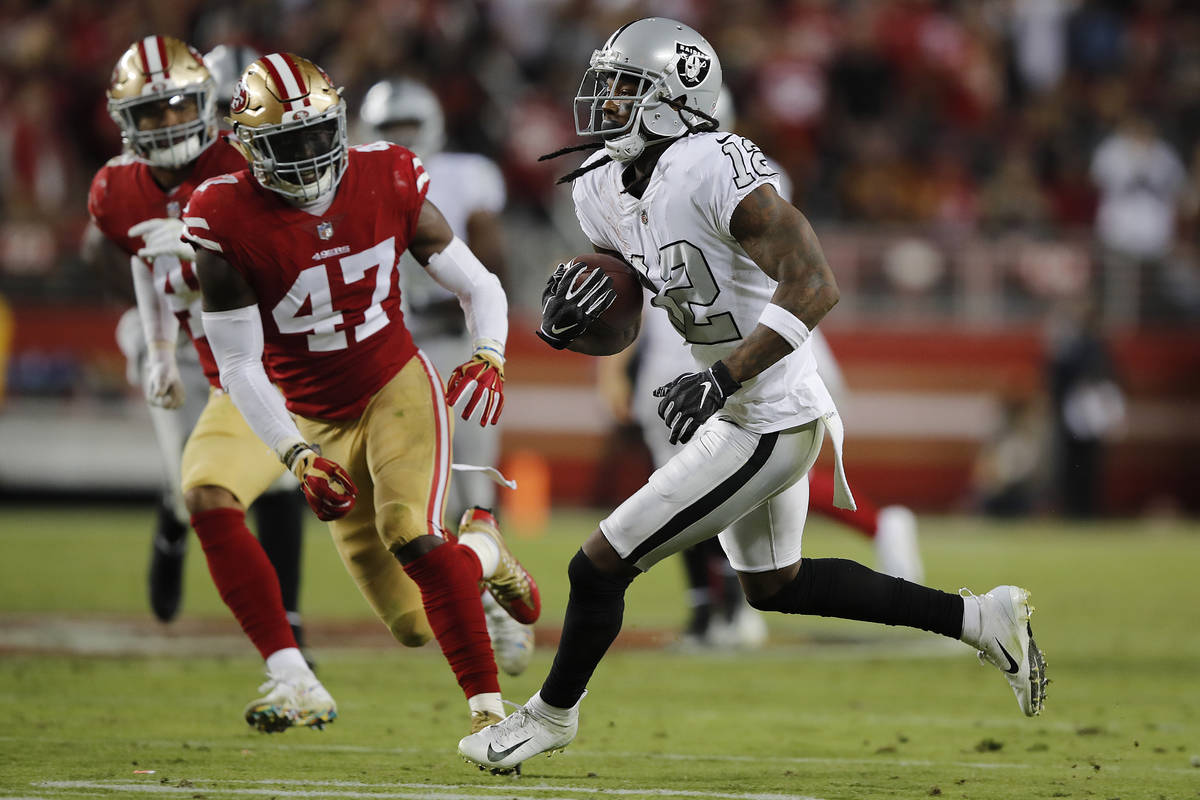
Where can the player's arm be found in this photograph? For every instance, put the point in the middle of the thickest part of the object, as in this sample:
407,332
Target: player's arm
781,242
234,330
479,383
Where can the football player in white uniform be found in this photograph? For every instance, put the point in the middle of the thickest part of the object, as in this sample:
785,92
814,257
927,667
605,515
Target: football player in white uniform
469,190
698,215
723,618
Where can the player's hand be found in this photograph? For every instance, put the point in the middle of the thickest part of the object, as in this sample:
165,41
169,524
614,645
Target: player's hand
478,385
689,400
164,387
568,310
327,487
163,237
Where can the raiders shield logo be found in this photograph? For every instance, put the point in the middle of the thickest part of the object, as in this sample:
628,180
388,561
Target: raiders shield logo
692,64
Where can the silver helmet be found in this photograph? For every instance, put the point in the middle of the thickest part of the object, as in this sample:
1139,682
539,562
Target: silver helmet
227,62
642,66
404,102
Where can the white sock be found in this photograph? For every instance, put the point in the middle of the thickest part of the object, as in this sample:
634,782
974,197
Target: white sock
972,620
486,548
287,661
487,701
553,713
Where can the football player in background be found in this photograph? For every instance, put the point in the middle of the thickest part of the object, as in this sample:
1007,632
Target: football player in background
296,258
468,189
698,215
162,96
726,620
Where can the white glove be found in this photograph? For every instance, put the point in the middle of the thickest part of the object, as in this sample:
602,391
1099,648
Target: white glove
132,343
163,237
164,387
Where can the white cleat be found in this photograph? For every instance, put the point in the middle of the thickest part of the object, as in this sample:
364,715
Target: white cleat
297,700
512,642
501,748
1006,642
896,551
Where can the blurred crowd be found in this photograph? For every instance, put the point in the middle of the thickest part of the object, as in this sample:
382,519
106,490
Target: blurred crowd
956,117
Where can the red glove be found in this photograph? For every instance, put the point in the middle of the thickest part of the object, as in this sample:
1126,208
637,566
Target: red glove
327,487
478,385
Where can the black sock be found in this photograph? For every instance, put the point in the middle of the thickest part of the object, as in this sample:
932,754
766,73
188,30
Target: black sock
836,587
168,527
695,569
594,611
280,522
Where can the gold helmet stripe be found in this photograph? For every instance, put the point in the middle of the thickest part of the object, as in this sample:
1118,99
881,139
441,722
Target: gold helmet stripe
153,51
288,80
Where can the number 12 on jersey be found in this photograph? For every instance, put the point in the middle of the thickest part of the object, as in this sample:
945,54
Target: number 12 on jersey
312,288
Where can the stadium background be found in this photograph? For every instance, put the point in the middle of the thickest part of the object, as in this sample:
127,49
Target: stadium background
943,150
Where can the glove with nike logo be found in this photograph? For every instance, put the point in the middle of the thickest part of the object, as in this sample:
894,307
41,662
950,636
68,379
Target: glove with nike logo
327,487
567,309
480,382
689,400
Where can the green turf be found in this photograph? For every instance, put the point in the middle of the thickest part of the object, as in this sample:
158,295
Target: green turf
828,710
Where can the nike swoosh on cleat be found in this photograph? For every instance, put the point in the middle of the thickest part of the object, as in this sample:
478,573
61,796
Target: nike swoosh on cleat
495,755
1012,662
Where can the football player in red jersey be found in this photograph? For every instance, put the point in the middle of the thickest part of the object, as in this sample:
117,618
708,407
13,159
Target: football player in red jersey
162,96
297,258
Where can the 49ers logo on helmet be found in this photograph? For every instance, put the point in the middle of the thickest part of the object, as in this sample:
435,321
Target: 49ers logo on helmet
240,100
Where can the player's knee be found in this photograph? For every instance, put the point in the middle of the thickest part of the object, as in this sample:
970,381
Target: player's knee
588,579
206,498
410,628
400,523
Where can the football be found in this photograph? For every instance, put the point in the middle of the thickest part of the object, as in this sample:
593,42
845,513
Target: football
618,326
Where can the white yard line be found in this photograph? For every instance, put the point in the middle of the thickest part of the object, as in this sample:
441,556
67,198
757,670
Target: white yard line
396,791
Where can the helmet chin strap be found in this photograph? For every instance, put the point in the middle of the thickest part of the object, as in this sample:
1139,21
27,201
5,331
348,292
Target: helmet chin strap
625,148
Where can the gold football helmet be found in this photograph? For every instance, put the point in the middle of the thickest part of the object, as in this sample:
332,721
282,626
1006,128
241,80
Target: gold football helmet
159,79
290,122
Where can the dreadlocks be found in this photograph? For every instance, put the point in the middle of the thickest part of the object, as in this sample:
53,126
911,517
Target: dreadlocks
679,104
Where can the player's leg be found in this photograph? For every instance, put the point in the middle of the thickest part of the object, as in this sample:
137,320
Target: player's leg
226,466
512,641
720,475
892,528
279,523
171,429
407,456
765,548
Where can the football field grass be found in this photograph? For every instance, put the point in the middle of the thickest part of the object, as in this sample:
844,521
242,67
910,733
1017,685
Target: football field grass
102,702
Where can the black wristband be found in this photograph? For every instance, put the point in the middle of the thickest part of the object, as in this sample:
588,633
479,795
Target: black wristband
725,381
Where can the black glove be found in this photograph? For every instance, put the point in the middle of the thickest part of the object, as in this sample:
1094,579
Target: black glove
689,400
567,312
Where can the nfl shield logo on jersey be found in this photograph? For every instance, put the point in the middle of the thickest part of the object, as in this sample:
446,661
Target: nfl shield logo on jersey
325,230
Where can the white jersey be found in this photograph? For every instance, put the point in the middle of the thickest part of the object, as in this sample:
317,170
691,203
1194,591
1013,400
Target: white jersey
677,237
460,184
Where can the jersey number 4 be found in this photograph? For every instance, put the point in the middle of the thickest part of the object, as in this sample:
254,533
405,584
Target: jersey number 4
312,289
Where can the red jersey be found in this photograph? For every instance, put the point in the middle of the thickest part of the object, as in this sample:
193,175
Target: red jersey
326,284
124,193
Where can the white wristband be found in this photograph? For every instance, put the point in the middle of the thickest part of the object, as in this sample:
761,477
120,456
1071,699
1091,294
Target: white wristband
785,323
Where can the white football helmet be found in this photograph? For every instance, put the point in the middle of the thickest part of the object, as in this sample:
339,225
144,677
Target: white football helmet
652,61
725,111
405,102
290,122
156,70
227,62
